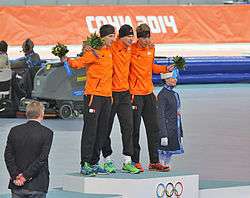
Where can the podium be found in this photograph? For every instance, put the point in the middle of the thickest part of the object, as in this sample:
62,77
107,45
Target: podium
147,184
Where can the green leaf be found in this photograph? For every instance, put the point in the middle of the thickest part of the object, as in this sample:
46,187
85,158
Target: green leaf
59,50
94,41
179,62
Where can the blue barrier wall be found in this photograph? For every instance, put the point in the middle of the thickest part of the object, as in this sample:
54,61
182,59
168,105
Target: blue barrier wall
211,69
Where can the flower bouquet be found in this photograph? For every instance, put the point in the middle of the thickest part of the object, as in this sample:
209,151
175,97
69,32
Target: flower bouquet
179,62
94,41
60,50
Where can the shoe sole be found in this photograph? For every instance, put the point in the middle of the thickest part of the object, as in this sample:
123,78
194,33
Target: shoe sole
164,170
125,171
89,175
140,169
111,172
98,173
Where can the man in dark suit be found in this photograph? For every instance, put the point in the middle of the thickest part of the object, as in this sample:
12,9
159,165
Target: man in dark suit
26,155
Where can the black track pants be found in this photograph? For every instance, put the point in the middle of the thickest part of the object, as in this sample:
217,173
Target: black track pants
122,107
96,117
145,107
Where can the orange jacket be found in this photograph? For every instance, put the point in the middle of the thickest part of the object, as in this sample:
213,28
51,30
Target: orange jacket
121,62
99,71
141,68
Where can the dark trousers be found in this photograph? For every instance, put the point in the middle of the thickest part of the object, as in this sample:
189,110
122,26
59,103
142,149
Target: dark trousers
22,193
16,91
145,107
123,108
96,116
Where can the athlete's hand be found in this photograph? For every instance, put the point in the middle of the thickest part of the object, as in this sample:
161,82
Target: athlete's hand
63,59
90,49
87,48
170,68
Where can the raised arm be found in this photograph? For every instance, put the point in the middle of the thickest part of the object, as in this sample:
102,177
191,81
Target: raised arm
82,61
162,68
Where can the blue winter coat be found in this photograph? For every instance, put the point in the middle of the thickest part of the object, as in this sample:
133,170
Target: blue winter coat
170,119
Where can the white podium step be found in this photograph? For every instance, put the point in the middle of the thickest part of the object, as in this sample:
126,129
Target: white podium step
144,185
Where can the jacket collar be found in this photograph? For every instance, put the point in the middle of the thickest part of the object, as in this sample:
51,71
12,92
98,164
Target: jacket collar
31,121
170,88
120,45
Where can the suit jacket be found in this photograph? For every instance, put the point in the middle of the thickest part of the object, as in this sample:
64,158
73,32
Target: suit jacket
27,152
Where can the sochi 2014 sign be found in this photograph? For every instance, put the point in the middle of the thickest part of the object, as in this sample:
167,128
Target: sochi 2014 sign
157,24
169,24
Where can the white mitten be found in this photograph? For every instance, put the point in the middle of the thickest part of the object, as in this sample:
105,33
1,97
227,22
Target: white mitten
164,141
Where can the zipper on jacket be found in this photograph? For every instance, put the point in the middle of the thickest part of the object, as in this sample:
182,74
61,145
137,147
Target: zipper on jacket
135,82
98,83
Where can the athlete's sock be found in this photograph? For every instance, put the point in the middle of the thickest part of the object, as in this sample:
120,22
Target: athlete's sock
126,159
107,159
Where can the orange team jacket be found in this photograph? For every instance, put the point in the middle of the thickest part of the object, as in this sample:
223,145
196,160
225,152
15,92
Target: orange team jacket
121,62
141,68
99,71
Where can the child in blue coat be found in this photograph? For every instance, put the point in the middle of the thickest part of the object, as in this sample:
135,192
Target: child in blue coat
169,105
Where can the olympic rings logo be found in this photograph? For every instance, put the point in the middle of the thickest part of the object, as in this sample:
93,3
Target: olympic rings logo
169,190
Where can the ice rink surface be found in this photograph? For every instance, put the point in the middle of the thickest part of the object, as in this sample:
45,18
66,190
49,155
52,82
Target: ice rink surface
216,136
